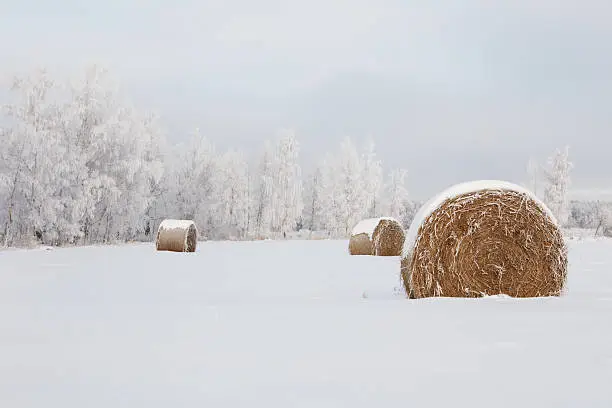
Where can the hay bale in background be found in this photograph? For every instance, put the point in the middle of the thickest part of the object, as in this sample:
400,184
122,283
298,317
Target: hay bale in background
177,236
484,238
377,236
388,238
360,244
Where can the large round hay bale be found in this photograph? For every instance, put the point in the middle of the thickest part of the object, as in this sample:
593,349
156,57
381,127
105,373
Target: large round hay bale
177,236
484,238
388,238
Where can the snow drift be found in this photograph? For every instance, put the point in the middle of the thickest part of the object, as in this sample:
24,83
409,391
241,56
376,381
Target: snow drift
484,238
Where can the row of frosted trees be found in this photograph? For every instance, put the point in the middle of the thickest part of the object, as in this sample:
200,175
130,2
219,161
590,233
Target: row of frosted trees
80,165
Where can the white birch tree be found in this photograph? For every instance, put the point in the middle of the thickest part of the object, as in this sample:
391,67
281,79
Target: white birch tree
29,151
263,193
287,200
314,202
344,187
190,186
372,180
233,194
558,182
398,197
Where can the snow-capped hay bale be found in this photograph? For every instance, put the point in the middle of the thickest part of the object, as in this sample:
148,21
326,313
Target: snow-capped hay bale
360,244
377,236
361,237
177,236
388,238
484,238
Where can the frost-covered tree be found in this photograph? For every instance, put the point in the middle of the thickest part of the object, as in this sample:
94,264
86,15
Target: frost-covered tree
140,175
372,180
314,202
190,184
558,181
346,202
399,204
263,193
277,190
325,191
79,164
533,173
287,200
121,164
32,159
601,217
154,169
346,188
585,214
233,194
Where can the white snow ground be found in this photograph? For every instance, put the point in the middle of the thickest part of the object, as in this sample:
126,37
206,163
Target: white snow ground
289,324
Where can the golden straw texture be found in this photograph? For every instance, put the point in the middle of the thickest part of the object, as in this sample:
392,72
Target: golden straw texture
486,242
388,238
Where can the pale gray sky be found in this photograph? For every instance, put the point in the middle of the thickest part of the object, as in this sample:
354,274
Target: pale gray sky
449,90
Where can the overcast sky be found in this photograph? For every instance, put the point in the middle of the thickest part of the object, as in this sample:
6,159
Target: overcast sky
450,90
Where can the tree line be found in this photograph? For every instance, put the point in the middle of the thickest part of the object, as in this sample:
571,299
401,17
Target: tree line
80,165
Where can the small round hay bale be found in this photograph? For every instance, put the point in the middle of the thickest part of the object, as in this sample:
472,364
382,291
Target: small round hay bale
377,236
177,236
361,237
388,238
484,238
360,244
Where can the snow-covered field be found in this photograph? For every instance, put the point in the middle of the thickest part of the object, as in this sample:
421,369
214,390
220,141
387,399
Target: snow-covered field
289,324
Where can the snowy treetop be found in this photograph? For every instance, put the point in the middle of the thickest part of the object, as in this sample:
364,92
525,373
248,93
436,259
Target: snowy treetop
456,190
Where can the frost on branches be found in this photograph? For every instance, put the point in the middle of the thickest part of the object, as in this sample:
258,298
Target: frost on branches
263,190
347,187
558,181
373,180
80,165
344,190
278,188
232,195
188,188
314,219
287,204
399,205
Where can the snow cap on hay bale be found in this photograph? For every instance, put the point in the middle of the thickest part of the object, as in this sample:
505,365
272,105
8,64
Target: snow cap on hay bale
484,238
377,236
176,236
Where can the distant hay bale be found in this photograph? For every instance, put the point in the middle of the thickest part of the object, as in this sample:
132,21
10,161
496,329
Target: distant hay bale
377,236
177,236
360,244
388,238
481,239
